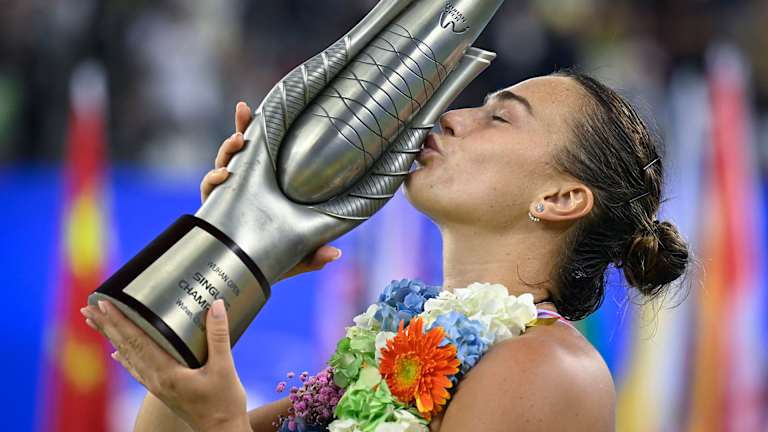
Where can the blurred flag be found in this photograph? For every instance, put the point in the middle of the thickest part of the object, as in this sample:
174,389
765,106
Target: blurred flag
728,378
77,386
701,367
653,390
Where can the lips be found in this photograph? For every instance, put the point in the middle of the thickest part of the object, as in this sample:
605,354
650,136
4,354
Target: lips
430,148
431,143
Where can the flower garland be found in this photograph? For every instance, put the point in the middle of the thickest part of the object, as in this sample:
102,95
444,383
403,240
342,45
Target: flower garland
396,366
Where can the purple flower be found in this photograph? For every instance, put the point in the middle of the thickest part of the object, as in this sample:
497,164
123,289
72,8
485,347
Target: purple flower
314,403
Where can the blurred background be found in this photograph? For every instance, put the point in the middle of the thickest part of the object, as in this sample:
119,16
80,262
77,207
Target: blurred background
111,112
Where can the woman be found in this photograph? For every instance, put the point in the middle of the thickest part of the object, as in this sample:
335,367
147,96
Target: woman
539,189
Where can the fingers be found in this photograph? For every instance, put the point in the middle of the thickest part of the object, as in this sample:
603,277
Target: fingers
217,332
211,180
128,367
315,261
228,148
115,355
322,256
137,349
242,116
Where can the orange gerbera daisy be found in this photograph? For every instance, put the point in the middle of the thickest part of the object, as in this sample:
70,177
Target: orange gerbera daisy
417,367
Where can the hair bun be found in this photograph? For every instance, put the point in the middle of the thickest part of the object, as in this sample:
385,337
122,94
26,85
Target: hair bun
654,257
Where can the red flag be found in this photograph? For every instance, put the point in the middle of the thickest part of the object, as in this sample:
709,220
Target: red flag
77,388
727,375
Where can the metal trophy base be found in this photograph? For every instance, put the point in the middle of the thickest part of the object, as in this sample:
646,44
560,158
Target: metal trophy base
167,288
163,337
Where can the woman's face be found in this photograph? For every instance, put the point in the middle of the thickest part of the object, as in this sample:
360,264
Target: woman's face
491,162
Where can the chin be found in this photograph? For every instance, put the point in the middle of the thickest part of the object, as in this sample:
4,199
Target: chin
443,203
414,190
423,196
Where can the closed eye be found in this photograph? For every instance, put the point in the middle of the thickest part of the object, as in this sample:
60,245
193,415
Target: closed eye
501,119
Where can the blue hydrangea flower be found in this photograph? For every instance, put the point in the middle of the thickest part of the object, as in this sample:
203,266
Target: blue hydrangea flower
401,301
466,335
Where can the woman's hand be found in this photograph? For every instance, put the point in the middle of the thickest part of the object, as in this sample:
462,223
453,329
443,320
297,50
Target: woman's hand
218,175
210,398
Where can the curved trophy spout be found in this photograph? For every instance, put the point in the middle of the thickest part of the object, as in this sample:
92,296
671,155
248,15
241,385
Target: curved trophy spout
384,178
328,146
347,128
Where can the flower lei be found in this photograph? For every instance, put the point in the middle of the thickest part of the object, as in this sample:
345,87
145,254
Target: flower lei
397,365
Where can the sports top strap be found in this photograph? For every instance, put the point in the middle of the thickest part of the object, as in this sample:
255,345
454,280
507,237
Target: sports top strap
543,313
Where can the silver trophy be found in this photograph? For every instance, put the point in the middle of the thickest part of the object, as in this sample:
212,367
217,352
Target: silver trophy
327,148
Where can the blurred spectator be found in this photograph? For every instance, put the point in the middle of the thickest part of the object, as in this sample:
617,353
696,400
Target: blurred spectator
177,67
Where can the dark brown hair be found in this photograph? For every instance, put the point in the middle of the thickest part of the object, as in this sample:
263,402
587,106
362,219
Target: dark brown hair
616,156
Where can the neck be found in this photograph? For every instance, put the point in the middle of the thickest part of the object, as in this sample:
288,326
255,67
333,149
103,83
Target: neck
521,260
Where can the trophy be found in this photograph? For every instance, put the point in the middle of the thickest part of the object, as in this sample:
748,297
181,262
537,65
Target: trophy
329,145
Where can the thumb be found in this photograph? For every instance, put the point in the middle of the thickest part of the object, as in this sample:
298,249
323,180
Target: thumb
217,330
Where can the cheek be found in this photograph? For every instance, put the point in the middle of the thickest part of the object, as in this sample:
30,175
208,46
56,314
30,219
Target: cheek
502,181
462,186
494,185
477,183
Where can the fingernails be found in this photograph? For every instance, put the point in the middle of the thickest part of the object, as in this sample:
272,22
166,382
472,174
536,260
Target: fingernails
115,356
338,255
91,324
217,310
84,312
103,306
238,135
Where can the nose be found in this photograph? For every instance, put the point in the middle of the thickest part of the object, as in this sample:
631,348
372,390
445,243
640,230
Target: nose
455,122
448,123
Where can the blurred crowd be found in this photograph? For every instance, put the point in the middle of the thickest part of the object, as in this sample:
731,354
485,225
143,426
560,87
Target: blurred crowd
175,68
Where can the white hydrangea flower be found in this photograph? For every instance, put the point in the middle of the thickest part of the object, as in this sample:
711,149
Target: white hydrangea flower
381,342
345,425
405,421
366,319
503,315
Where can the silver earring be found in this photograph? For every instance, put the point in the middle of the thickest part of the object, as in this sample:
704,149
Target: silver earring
533,218
539,207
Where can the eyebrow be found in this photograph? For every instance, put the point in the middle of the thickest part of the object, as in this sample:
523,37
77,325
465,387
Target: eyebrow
506,95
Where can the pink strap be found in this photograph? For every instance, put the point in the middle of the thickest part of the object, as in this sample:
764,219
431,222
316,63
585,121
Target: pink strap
543,313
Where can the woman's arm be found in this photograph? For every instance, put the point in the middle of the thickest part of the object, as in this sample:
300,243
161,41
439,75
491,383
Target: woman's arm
154,416
262,417
208,399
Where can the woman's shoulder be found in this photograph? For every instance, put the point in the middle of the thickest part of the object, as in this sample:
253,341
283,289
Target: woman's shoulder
550,377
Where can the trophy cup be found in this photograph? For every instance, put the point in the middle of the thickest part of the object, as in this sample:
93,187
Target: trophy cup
329,145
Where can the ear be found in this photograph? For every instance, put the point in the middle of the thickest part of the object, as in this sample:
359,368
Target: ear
570,202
